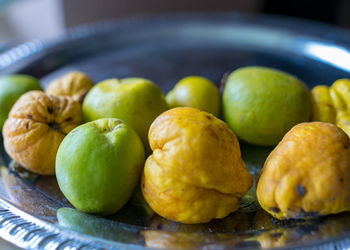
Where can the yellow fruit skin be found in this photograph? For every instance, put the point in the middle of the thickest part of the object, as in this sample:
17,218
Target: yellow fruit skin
307,174
36,126
73,84
332,104
195,173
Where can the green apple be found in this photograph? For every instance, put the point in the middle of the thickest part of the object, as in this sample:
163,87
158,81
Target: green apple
196,92
98,165
136,101
261,104
11,88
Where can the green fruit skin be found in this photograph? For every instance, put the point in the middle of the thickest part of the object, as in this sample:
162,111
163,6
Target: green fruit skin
98,165
261,104
11,88
196,92
136,101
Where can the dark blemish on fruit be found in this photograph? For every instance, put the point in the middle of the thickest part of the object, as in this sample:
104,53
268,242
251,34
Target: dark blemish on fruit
69,119
27,126
54,126
209,117
49,109
275,209
30,117
58,108
341,180
346,146
301,190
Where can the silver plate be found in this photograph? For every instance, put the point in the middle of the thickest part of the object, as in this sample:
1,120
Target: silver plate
165,49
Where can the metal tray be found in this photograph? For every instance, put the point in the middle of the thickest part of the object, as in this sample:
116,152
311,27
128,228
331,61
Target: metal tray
34,213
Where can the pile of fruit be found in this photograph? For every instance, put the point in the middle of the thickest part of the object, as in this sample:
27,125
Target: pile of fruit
102,141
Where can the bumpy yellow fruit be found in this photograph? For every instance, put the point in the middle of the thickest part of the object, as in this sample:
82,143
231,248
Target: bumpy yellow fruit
308,173
332,104
73,84
196,172
36,127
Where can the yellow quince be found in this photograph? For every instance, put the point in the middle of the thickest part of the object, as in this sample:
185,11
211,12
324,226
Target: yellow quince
196,172
332,104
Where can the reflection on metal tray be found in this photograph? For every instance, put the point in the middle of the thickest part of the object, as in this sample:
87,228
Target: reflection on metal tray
33,211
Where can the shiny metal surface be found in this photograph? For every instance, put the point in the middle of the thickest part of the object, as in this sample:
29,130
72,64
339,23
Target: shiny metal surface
34,213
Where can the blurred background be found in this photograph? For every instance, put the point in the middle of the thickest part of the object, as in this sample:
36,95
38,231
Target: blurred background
23,20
